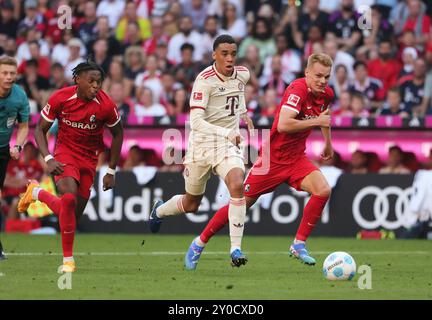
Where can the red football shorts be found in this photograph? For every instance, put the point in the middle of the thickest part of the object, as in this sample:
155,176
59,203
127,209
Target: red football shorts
81,170
260,181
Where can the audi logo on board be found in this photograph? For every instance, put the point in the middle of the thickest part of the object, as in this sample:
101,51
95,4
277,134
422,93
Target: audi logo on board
383,207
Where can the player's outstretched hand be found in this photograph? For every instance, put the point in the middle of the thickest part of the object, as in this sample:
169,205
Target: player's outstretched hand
324,119
55,167
108,182
235,138
327,153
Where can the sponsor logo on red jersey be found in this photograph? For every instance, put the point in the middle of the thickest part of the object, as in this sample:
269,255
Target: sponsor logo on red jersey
79,125
293,100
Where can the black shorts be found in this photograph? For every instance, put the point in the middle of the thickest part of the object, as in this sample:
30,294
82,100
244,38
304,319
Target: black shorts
4,160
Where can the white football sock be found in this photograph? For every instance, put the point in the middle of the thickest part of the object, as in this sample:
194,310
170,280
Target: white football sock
298,241
172,207
199,242
35,193
236,216
68,259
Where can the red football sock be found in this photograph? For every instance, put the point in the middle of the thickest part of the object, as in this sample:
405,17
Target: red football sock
67,223
311,214
219,220
53,202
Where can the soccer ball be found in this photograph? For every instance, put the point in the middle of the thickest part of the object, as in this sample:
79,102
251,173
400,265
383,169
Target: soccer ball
339,266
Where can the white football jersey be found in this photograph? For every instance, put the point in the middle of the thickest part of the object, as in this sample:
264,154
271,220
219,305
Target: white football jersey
222,98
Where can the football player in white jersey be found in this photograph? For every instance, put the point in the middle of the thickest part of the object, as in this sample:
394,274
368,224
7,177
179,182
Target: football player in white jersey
217,103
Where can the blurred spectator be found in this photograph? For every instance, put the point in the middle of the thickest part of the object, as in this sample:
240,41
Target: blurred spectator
426,105
134,158
34,85
358,163
187,70
358,106
381,27
17,176
158,35
51,28
369,87
161,54
169,86
314,37
87,27
251,100
417,21
291,63
10,48
133,37
75,58
343,107
344,25
146,105
150,78
8,24
312,16
341,82
412,90
61,51
252,62
405,40
277,80
170,24
393,104
186,34
101,55
261,37
103,31
211,32
134,61
339,57
32,19
179,103
197,9
232,22
409,55
113,9
394,164
117,94
385,68
23,52
329,6
58,79
270,103
130,15
116,74
43,62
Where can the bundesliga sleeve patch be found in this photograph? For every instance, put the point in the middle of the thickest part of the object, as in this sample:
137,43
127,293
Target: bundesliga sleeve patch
197,96
293,100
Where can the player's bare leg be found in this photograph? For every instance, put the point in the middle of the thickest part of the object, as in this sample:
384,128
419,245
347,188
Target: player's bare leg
316,184
236,214
179,204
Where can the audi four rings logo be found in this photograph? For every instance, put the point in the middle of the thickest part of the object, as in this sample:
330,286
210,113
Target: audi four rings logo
381,207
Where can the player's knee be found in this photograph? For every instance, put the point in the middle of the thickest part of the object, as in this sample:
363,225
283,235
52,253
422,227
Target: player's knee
235,186
324,191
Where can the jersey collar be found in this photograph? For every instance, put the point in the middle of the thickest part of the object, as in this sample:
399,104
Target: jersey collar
221,76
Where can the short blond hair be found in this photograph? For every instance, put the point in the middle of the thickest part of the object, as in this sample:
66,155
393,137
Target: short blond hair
8,60
321,58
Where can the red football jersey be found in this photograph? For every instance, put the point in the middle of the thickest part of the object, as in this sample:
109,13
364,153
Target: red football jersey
285,147
80,123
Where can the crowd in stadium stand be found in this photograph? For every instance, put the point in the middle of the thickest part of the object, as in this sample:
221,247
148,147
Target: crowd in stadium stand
152,51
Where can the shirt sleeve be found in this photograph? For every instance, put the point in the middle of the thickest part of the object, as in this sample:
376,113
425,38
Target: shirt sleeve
293,98
52,108
24,110
200,94
113,115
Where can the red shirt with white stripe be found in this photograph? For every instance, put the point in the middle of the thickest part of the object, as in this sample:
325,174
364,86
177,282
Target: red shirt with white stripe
285,147
80,123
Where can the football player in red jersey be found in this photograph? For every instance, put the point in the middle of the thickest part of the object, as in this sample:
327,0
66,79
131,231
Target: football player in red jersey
303,107
82,111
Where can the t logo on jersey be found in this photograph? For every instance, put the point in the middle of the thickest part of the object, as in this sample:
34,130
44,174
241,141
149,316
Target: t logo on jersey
197,96
232,104
293,100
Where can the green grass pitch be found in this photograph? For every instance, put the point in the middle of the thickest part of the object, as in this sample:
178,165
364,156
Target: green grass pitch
126,267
